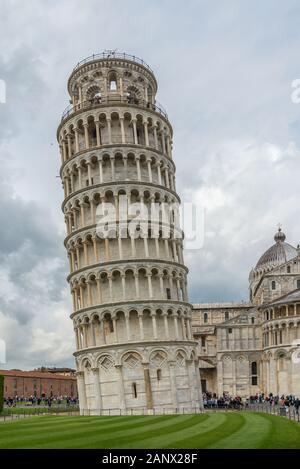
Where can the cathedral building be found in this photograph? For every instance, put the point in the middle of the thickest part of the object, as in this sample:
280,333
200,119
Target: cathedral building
253,347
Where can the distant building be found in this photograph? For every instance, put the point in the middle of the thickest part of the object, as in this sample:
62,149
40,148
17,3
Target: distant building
36,383
54,370
245,348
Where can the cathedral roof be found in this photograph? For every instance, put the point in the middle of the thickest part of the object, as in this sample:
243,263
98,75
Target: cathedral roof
277,254
291,297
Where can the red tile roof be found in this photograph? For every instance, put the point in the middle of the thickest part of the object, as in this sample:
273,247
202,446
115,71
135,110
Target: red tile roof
34,374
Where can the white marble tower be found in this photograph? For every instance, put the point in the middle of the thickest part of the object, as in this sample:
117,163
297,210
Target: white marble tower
131,315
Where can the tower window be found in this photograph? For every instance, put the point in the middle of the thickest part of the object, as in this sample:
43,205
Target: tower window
254,379
288,269
226,315
134,390
202,341
298,283
229,331
113,82
111,325
158,374
254,368
168,291
273,285
252,320
205,317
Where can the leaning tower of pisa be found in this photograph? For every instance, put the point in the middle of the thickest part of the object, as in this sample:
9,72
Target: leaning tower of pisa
131,315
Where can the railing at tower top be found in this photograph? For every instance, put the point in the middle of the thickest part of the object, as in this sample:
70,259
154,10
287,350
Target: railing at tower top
108,100
113,55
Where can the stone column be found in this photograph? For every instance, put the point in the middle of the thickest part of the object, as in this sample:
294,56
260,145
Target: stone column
82,215
64,150
149,397
76,140
79,177
163,143
154,325
97,390
150,285
110,287
122,130
134,132
159,174
96,254
93,333
112,165
81,392
190,335
100,170
190,365
176,326
123,280
89,293
136,278
166,324
102,329
178,288
115,324
183,328
125,162
86,136
167,178
85,337
149,169
85,250
146,133
109,131
140,315
69,145
161,284
155,137
127,327
172,366
76,335
81,297
99,290
138,168
121,387
98,135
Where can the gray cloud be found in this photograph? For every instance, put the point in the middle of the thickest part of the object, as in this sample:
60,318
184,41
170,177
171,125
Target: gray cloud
224,72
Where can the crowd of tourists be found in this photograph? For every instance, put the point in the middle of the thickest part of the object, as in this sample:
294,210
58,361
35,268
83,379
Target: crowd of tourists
40,401
212,400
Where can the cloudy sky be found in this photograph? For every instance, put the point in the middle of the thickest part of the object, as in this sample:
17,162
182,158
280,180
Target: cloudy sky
225,71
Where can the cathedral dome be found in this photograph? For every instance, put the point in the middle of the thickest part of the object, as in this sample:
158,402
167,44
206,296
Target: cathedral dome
277,254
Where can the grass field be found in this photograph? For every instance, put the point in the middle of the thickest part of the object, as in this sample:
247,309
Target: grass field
210,430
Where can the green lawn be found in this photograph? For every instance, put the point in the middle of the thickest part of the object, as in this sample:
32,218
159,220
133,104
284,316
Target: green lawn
210,430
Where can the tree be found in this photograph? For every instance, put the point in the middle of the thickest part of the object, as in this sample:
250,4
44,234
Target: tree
1,392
